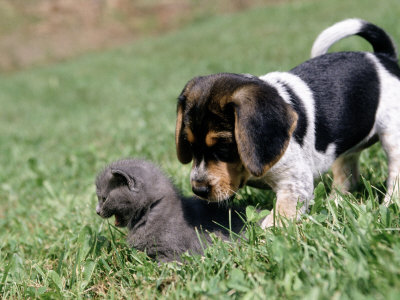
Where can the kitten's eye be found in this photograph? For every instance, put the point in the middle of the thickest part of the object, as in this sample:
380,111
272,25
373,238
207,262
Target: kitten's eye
103,199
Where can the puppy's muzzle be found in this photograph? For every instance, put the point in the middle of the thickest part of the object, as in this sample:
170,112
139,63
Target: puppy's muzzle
198,180
201,190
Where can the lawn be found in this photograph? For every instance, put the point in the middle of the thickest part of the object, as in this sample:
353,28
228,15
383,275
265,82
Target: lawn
61,124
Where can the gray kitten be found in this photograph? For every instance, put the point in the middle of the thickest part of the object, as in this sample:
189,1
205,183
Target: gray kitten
160,221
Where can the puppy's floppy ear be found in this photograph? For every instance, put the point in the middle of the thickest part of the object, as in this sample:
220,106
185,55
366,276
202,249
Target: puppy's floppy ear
264,123
132,185
183,149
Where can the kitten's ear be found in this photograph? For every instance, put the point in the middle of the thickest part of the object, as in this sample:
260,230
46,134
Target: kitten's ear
129,180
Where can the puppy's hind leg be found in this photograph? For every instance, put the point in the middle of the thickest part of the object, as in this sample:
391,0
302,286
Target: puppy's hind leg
391,145
346,173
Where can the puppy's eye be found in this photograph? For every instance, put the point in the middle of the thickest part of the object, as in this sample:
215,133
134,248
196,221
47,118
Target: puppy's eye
224,152
221,153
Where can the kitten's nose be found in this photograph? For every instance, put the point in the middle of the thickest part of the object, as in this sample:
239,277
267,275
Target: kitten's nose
98,209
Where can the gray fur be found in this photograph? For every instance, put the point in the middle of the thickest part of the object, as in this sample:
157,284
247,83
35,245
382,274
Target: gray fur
160,221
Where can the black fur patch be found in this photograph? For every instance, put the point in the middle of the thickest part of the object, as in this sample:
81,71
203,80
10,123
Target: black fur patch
379,40
345,87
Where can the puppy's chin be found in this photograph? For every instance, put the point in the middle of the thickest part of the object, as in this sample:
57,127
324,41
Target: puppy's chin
220,195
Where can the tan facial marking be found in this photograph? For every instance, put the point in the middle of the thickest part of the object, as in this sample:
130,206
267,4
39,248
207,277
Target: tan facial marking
244,92
189,135
183,150
213,136
178,124
192,92
225,178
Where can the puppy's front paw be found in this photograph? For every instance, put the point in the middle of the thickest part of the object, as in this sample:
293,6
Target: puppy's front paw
268,221
281,218
391,198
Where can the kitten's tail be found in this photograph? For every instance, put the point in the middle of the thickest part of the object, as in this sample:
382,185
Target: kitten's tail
377,37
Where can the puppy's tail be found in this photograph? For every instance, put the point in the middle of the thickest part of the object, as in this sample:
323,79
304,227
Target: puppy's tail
377,37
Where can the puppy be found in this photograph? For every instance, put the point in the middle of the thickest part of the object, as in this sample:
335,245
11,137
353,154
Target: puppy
160,221
285,129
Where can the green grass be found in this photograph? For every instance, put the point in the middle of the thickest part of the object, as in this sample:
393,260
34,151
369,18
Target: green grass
60,124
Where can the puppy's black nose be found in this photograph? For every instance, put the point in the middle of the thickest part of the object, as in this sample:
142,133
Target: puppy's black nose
201,191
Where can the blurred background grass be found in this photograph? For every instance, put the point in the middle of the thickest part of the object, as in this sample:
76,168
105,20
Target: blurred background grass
41,31
61,122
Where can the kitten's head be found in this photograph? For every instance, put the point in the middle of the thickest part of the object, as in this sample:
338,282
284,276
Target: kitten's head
125,189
